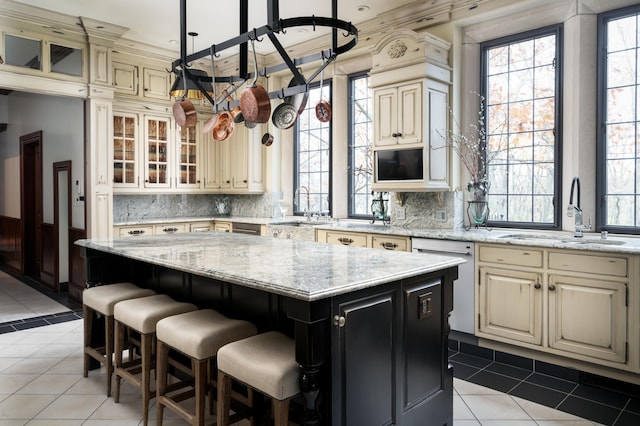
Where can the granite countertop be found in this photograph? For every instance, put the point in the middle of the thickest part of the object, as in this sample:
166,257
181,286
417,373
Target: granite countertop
153,221
518,237
298,269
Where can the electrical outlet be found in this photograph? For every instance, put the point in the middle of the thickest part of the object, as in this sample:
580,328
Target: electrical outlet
441,215
400,213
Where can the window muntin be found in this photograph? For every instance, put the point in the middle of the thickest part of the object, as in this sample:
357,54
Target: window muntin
521,91
618,123
360,103
312,166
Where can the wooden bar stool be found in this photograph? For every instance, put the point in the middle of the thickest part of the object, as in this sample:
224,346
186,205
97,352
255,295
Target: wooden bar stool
100,300
141,315
265,362
198,335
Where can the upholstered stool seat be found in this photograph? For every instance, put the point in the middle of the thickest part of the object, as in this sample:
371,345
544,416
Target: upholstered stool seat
141,315
265,362
101,300
198,335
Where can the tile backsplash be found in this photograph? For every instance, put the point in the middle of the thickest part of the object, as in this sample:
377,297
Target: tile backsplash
421,209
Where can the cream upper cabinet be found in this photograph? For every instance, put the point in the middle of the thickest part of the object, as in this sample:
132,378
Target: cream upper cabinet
126,152
188,157
572,304
156,83
157,143
125,78
411,81
236,165
398,114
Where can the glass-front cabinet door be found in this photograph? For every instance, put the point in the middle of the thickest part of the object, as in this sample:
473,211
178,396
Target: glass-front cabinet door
157,152
125,150
188,157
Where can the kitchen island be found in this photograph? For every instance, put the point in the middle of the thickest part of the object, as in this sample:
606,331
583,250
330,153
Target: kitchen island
370,326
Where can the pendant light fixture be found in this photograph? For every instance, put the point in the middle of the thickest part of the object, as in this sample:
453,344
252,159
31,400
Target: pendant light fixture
193,91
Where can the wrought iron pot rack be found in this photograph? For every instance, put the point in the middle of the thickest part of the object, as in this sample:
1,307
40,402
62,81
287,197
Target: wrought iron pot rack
274,26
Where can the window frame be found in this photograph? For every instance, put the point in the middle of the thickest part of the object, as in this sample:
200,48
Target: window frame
296,211
556,29
350,151
601,129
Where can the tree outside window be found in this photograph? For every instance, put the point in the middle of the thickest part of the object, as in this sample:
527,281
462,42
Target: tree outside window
360,146
521,77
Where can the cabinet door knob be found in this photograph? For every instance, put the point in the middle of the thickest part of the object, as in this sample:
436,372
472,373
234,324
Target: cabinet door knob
552,287
537,286
339,321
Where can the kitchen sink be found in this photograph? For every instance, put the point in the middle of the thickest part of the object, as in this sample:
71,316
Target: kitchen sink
562,238
298,223
532,237
596,241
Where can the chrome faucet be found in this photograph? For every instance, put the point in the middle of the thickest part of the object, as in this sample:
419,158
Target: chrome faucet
576,211
307,210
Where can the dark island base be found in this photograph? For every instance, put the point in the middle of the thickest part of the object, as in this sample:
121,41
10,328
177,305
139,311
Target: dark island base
370,357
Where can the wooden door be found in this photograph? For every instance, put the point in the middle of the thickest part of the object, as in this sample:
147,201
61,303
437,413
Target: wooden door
31,203
385,124
410,113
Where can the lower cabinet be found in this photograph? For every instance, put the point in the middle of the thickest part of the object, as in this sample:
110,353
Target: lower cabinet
571,304
361,239
377,380
511,304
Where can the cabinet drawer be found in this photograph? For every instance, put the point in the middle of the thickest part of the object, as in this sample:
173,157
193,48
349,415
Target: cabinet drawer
346,239
391,243
201,227
131,231
511,256
603,265
169,228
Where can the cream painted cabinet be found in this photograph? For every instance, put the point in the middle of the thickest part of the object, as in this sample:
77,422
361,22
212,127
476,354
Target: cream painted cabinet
510,304
398,114
170,228
156,83
188,157
236,165
588,317
125,78
157,158
126,152
132,231
411,81
222,226
573,304
361,239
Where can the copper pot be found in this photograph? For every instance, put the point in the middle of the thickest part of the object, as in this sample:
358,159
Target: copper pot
185,113
254,99
224,127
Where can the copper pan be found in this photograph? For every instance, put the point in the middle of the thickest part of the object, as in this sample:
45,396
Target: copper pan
254,99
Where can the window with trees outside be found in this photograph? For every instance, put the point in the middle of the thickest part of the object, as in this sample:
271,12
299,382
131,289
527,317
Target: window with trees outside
618,122
312,168
360,145
520,117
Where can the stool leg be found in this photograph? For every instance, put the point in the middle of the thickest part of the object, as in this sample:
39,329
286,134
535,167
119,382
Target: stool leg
161,378
146,341
281,412
108,349
119,343
200,375
87,314
224,399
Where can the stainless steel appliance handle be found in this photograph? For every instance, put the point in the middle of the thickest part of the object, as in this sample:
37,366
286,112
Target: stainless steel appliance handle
463,252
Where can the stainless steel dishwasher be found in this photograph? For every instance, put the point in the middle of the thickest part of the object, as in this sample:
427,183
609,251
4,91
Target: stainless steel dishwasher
462,317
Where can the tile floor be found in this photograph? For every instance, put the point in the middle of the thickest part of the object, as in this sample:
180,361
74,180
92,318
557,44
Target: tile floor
41,381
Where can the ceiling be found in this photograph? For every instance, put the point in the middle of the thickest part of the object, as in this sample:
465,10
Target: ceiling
157,22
